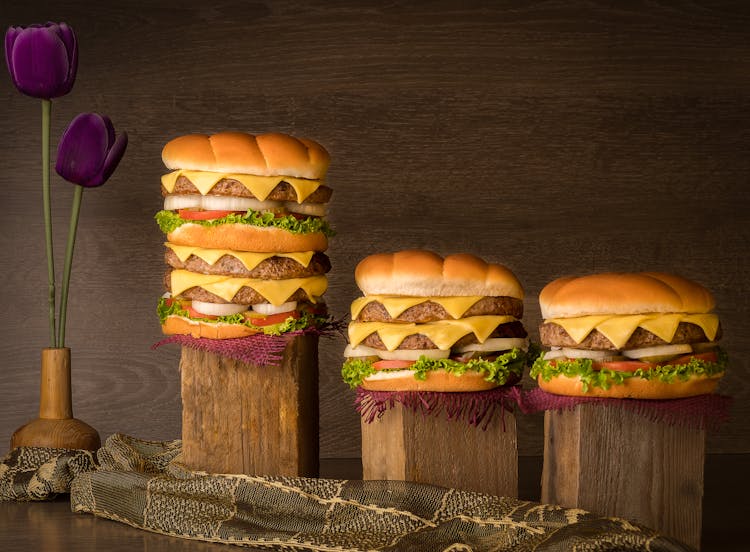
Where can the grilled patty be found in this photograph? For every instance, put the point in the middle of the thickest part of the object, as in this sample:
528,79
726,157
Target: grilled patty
553,335
230,187
429,311
273,268
420,341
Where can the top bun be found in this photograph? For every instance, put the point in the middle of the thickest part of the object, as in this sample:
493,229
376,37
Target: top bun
623,293
272,154
424,273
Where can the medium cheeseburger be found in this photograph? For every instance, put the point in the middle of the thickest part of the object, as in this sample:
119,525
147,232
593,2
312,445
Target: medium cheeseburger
428,323
244,218
629,335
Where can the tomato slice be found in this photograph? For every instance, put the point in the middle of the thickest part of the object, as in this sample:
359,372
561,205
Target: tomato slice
198,214
273,318
392,364
622,365
195,314
709,356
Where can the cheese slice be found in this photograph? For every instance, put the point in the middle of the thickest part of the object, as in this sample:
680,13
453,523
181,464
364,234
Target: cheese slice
249,259
619,328
259,186
395,305
443,333
275,292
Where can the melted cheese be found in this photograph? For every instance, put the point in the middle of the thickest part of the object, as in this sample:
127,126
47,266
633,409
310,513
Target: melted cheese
259,186
443,333
394,305
275,292
249,259
618,329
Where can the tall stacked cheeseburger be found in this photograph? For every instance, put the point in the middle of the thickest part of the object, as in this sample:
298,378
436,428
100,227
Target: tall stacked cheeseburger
629,335
428,323
244,217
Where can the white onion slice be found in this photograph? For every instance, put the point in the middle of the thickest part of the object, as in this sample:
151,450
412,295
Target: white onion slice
553,354
587,353
413,354
268,308
658,351
497,344
314,209
231,203
360,351
218,309
182,201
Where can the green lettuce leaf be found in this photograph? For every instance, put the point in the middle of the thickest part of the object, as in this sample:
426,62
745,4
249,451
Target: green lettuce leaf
168,221
605,378
498,371
172,308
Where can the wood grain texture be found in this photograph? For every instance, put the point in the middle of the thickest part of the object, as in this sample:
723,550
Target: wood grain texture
612,461
255,420
554,137
406,446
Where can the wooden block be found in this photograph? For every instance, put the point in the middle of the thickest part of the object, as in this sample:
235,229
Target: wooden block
612,461
405,446
247,419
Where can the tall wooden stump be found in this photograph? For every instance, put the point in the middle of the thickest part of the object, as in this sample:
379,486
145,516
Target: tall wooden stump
247,419
612,461
407,446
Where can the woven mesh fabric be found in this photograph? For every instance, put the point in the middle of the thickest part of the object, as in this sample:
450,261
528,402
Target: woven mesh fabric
142,484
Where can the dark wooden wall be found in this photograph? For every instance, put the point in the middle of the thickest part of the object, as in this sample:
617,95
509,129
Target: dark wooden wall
555,137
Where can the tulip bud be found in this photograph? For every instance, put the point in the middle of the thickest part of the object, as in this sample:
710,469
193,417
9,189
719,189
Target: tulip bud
88,152
42,59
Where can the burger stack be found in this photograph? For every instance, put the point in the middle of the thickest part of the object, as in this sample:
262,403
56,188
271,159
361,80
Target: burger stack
428,323
244,217
644,335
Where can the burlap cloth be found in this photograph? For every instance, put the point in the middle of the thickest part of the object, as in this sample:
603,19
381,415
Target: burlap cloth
141,483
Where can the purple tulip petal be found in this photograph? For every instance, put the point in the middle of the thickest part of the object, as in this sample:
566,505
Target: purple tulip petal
68,37
10,38
82,149
114,156
40,63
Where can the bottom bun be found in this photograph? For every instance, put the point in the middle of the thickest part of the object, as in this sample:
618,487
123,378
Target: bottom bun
436,380
177,325
633,388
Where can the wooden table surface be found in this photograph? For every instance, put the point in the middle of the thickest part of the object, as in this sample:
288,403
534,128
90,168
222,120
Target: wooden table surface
51,526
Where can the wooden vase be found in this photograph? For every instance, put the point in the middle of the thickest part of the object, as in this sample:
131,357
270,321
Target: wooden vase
56,427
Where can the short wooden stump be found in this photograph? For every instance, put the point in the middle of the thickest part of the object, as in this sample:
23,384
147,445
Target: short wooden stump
407,446
241,418
611,461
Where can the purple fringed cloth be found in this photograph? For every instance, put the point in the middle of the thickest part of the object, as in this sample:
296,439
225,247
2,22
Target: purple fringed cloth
475,408
700,412
258,349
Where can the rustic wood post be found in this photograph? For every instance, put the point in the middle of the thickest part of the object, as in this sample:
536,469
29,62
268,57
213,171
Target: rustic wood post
247,419
408,446
56,427
614,462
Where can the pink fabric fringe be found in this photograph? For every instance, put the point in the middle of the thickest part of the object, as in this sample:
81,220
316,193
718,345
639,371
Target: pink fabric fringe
475,408
700,412
259,349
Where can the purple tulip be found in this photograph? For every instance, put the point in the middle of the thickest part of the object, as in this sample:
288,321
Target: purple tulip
42,59
88,152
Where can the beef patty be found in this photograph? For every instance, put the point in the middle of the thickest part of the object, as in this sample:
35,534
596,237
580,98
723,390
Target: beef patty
230,187
421,341
552,335
430,311
273,268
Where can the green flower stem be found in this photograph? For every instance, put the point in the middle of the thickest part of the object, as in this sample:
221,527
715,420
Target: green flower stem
46,112
74,212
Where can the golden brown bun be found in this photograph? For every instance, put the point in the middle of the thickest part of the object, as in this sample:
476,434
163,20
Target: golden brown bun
422,273
634,388
246,237
269,154
623,293
436,380
175,325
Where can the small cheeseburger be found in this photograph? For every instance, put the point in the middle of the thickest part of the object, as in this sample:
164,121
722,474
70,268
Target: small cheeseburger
244,217
431,324
643,335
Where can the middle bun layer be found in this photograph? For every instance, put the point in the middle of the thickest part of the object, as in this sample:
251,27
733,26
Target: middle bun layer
246,237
